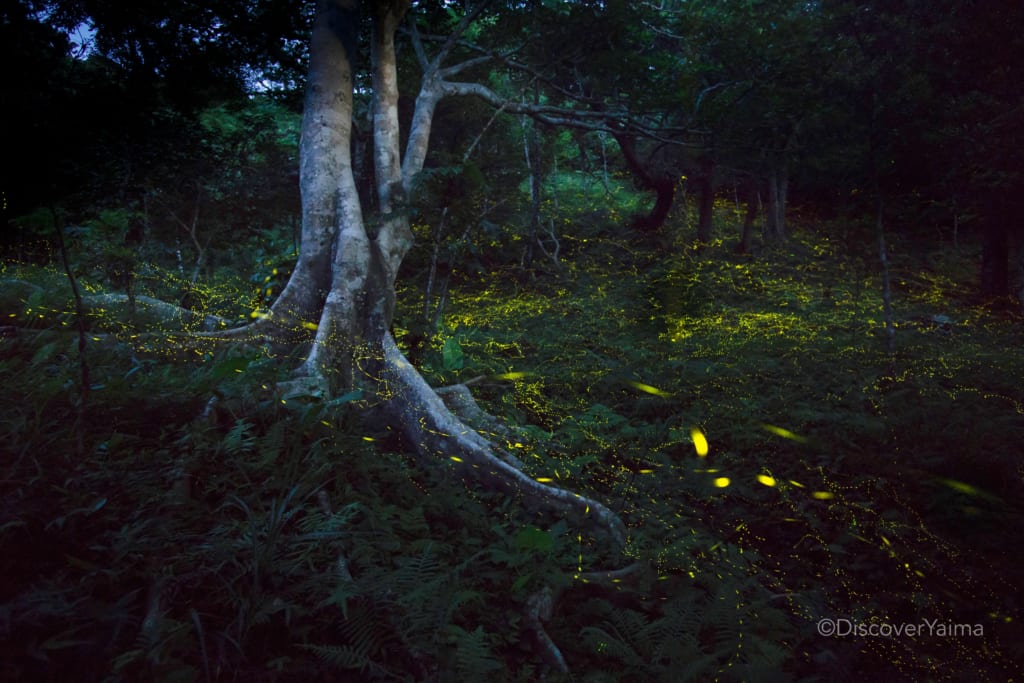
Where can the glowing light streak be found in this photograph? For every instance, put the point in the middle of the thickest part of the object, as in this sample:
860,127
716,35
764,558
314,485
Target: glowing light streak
700,442
648,389
784,433
512,376
963,487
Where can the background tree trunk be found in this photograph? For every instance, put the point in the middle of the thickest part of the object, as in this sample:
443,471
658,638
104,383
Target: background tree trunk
778,188
706,201
663,186
995,270
751,197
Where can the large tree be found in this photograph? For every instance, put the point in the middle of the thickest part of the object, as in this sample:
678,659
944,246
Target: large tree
342,290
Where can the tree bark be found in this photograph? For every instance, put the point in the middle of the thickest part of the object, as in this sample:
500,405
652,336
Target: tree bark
663,186
326,128
664,197
705,216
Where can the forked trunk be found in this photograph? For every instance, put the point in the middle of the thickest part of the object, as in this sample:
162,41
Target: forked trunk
344,284
342,289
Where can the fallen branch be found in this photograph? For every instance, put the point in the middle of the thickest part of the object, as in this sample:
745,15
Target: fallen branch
152,312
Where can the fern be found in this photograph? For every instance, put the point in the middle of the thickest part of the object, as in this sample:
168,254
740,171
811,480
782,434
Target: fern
473,659
362,632
347,658
419,594
239,439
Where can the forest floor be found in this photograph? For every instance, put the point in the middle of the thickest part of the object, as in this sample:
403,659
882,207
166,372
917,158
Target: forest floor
841,487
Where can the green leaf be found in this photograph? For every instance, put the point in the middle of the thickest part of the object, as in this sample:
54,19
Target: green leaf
44,353
229,368
452,355
532,538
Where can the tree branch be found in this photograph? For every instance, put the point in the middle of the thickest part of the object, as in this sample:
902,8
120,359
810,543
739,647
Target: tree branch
462,66
611,122
417,45
453,38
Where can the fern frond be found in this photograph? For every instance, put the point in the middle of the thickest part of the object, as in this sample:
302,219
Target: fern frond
473,657
344,657
362,632
239,438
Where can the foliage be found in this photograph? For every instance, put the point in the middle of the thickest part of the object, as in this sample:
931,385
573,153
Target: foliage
834,469
272,540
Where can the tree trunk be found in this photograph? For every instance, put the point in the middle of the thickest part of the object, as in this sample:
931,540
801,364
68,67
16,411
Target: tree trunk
664,197
995,270
778,188
345,276
531,153
883,258
663,186
782,200
772,230
750,197
705,216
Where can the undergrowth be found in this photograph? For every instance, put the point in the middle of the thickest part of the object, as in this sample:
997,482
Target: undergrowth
270,541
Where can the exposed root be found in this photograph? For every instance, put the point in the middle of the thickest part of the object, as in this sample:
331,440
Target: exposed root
610,576
417,408
152,312
259,328
304,386
460,401
539,608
